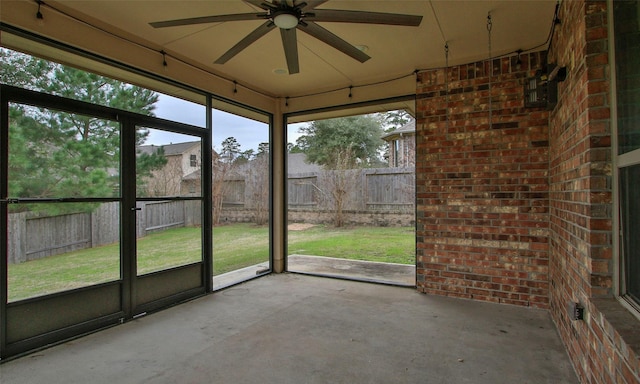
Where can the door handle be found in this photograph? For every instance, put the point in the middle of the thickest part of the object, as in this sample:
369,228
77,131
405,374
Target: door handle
136,209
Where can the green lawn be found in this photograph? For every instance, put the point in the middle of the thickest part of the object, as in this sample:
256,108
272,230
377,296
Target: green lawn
388,245
235,246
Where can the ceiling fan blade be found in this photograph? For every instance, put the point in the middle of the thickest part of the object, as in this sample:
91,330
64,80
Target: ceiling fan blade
290,44
260,4
344,16
206,19
324,35
311,4
247,41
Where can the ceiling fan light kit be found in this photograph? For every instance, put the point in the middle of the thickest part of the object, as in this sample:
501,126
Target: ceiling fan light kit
285,20
291,15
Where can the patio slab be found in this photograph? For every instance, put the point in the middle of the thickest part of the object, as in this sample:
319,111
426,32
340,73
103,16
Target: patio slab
293,328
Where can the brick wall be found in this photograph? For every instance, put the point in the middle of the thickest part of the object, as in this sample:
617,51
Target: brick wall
604,346
520,210
406,150
482,184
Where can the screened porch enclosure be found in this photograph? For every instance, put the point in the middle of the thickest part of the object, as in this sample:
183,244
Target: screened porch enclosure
84,249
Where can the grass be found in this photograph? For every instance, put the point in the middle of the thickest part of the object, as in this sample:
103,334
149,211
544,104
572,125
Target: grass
235,246
238,246
388,245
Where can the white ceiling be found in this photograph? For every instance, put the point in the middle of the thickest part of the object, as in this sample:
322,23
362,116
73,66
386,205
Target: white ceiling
396,51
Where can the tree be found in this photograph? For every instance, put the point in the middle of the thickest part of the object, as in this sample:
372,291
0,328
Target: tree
263,149
293,148
258,177
223,165
59,154
357,135
339,183
31,73
395,119
221,169
230,149
244,157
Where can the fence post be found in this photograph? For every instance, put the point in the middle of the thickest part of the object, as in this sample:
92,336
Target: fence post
92,228
18,238
141,219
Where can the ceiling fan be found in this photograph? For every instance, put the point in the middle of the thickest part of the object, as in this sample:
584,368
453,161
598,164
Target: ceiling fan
290,15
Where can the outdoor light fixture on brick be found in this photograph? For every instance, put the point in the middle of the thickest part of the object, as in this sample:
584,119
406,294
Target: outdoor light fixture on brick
542,89
576,311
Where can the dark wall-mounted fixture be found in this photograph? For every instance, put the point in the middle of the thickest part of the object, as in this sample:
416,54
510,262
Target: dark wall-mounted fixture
576,311
542,89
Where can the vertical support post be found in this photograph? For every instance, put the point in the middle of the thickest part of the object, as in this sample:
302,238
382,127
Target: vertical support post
4,190
278,190
128,215
207,198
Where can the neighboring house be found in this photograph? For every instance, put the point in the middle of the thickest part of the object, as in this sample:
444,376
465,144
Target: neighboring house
402,146
191,183
297,163
180,176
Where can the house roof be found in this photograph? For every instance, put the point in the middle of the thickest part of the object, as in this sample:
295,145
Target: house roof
409,128
297,163
169,149
195,175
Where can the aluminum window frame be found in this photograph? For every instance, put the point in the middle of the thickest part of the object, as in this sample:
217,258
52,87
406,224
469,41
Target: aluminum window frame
619,162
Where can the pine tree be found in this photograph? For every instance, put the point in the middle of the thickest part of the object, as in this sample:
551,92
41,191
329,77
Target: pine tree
54,154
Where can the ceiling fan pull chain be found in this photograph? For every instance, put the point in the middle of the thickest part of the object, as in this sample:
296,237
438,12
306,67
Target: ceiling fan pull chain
489,27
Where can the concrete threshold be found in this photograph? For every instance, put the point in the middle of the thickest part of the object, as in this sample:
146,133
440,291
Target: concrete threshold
229,279
360,270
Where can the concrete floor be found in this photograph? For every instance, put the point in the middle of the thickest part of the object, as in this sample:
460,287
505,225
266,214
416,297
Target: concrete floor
293,328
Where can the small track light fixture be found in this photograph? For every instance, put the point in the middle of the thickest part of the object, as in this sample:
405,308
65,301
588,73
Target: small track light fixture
165,66
39,15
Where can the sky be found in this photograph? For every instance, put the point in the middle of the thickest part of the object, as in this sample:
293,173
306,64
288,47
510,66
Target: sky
249,133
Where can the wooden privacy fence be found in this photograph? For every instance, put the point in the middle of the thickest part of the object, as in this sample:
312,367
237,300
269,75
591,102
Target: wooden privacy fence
377,197
364,189
372,193
33,236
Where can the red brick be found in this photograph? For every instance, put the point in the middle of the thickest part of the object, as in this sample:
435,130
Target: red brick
487,168
535,217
